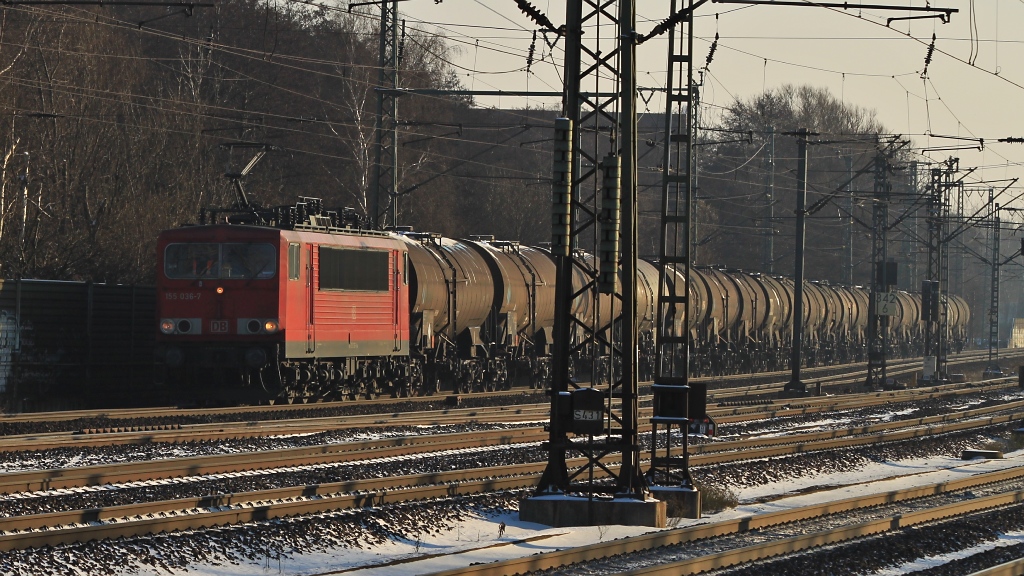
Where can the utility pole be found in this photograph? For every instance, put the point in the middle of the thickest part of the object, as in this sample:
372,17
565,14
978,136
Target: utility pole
677,401
933,309
848,228
594,197
961,248
575,213
883,275
385,183
693,109
909,240
795,385
993,309
952,166
768,222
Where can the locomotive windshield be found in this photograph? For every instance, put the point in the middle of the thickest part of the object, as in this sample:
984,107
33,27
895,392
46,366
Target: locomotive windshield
229,260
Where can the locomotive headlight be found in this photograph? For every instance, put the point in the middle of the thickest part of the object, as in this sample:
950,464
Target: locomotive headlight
255,358
167,326
184,326
174,358
220,289
270,326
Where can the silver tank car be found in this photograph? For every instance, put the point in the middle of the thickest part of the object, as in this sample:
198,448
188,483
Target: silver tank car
483,315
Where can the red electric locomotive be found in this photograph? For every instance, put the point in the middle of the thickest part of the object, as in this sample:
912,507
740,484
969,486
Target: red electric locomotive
258,308
298,302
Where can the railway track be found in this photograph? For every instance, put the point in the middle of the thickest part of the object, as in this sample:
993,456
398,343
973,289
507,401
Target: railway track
220,509
139,516
152,419
704,454
668,542
498,415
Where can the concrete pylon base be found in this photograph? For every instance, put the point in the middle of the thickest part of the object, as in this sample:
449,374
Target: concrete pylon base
561,511
793,393
681,502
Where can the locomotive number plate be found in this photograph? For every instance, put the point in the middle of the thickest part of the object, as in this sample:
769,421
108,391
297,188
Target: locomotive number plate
219,326
182,295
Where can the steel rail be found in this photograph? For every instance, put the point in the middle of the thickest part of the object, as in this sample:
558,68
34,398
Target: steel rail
510,414
825,537
717,453
347,452
559,558
350,494
195,513
120,414
748,443
250,512
232,430
782,408
1011,568
164,411
857,377
752,453
96,475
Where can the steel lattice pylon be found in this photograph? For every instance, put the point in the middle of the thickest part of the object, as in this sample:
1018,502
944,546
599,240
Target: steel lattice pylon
595,158
993,310
878,323
933,289
385,177
671,383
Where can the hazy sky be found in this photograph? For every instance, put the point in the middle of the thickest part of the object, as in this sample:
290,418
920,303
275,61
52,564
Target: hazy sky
974,85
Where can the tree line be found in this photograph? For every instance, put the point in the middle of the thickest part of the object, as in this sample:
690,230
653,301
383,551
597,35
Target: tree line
118,122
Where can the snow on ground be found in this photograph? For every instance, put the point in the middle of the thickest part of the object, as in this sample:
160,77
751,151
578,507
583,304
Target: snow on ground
1009,539
476,540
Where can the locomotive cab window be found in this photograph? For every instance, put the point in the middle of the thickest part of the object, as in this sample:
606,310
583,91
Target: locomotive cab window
354,270
294,261
241,261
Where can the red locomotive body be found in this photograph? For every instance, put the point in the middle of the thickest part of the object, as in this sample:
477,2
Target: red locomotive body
270,307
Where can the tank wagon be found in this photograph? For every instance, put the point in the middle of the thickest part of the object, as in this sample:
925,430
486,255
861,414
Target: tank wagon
298,302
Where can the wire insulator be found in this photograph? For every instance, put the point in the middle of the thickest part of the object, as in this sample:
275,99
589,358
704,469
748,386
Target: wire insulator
666,25
536,15
529,55
711,53
401,45
928,57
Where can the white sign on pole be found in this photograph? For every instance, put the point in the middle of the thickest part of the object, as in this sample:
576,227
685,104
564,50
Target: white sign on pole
886,304
928,370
